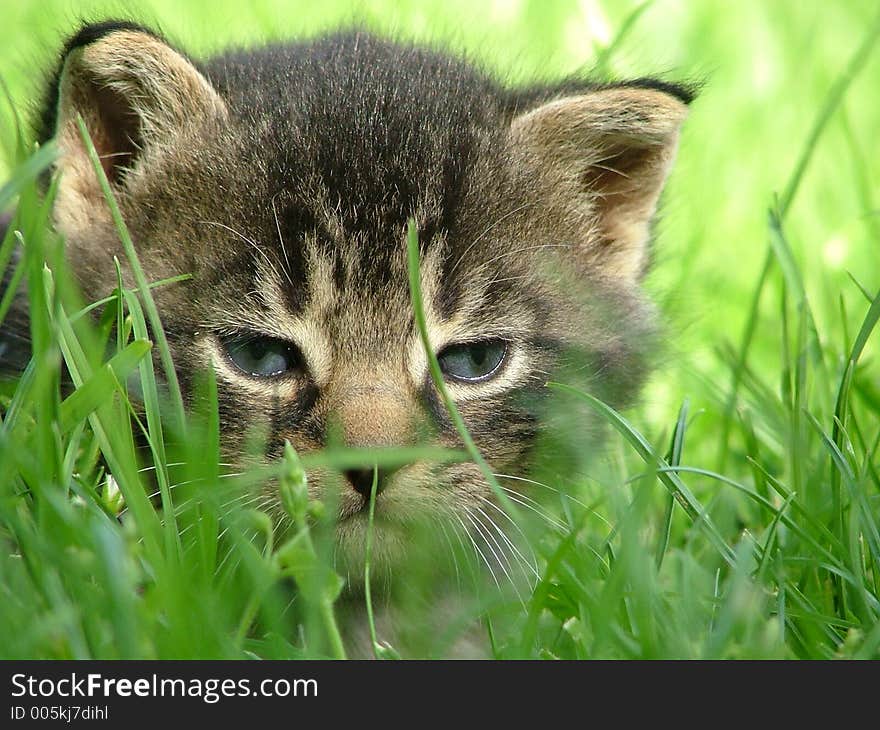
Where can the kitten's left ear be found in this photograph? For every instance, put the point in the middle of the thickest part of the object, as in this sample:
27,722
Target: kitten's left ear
602,159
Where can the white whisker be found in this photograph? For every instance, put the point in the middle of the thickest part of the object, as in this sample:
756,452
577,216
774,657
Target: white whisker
253,244
485,233
524,249
566,495
442,527
502,559
531,564
281,241
532,505
480,552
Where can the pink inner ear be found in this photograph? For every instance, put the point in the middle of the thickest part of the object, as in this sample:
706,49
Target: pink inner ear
624,186
115,130
622,171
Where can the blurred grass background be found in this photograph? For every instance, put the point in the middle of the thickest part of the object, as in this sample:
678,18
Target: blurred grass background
767,70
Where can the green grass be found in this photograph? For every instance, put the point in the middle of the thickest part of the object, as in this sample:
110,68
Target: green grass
735,513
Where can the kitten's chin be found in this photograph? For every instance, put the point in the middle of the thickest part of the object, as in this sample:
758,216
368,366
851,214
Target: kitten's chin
388,540
398,546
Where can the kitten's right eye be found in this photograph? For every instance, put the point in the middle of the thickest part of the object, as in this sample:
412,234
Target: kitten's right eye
262,357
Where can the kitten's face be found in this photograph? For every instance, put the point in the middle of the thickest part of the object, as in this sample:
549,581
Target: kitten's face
283,182
305,315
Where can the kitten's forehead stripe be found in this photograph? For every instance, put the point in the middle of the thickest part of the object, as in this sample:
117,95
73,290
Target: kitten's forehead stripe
396,138
291,223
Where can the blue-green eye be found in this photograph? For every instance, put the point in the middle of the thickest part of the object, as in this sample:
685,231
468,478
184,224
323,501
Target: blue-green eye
473,361
262,357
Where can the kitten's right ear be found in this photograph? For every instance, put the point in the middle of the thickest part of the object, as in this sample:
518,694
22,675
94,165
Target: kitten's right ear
137,97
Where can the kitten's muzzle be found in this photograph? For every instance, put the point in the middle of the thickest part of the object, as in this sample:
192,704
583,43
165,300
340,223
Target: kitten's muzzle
376,416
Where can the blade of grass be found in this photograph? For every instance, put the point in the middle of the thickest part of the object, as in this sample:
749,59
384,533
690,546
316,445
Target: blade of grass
318,584
864,290
154,434
849,478
380,651
771,536
11,288
841,417
677,488
101,385
27,172
340,458
415,288
674,459
368,558
110,434
157,331
106,300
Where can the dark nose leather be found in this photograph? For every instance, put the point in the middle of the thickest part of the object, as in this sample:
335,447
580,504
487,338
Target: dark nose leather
361,480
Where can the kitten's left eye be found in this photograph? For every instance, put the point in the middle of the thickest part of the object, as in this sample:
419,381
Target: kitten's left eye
263,357
473,361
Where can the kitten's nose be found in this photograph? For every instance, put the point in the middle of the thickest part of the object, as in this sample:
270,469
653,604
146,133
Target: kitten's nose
361,480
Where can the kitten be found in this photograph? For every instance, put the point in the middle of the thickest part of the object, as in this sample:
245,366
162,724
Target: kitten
282,178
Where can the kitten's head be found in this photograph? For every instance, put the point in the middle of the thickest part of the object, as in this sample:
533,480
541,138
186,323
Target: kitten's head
282,179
